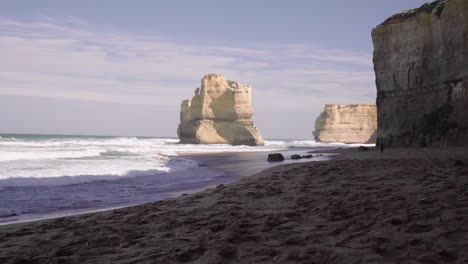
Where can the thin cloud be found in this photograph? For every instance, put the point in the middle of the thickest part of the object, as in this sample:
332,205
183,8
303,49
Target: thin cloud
74,60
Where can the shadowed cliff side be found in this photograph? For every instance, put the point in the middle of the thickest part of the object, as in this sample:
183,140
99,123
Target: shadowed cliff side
421,67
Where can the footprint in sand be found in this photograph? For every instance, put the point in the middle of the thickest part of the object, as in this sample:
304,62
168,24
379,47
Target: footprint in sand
456,236
418,228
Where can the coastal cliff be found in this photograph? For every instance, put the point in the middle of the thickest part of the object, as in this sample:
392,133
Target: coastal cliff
220,112
355,123
421,68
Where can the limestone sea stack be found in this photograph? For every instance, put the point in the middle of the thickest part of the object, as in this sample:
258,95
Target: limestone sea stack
421,68
220,112
355,123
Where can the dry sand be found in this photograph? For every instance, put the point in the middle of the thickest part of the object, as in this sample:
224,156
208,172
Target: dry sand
396,207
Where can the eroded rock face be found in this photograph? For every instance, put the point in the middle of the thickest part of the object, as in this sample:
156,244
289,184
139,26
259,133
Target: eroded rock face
421,67
355,123
220,112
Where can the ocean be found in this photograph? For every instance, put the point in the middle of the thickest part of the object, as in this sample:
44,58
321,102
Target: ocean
44,176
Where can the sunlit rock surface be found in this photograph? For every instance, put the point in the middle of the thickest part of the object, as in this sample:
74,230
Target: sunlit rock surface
355,123
220,112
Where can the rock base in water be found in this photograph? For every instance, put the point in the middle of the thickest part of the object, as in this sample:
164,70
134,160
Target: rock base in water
220,132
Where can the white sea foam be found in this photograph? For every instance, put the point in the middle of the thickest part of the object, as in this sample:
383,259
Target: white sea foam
308,143
33,161
111,152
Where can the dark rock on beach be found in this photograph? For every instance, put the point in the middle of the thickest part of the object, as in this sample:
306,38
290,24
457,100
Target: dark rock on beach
362,148
296,157
275,157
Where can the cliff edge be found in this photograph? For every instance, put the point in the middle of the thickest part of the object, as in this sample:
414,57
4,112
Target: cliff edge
355,123
421,68
220,112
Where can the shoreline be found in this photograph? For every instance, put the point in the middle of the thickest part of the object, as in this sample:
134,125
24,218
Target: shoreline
224,167
200,158
359,207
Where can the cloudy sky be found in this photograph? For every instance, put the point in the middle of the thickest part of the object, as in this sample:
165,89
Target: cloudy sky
114,67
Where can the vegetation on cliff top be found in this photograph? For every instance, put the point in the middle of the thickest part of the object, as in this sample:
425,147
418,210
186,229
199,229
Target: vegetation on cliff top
434,8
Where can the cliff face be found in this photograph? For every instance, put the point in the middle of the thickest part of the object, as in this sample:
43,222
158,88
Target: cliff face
220,112
421,67
354,123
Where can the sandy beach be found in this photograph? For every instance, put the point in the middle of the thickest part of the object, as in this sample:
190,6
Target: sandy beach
234,132
363,207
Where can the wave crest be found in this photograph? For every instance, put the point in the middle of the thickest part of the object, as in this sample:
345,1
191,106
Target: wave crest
117,153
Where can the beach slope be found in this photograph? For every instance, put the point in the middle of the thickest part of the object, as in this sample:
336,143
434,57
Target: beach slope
381,210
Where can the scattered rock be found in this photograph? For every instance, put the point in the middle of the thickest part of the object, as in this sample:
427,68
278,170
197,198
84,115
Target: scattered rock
362,148
307,156
296,157
275,157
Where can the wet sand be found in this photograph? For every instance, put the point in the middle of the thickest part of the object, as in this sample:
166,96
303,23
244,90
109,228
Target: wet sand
395,207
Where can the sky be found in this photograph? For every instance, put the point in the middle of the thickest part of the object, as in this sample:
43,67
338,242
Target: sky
114,67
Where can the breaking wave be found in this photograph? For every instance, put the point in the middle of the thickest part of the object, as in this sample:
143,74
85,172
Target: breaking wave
37,160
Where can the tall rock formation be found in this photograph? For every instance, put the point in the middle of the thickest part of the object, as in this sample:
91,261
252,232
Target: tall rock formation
421,68
220,112
355,123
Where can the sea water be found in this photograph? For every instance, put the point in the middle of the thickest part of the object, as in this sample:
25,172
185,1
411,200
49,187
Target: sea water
47,175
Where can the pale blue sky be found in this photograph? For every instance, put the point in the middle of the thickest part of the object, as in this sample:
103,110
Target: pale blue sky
122,67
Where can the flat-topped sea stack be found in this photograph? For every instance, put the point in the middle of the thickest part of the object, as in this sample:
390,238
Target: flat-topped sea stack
421,68
220,112
355,123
